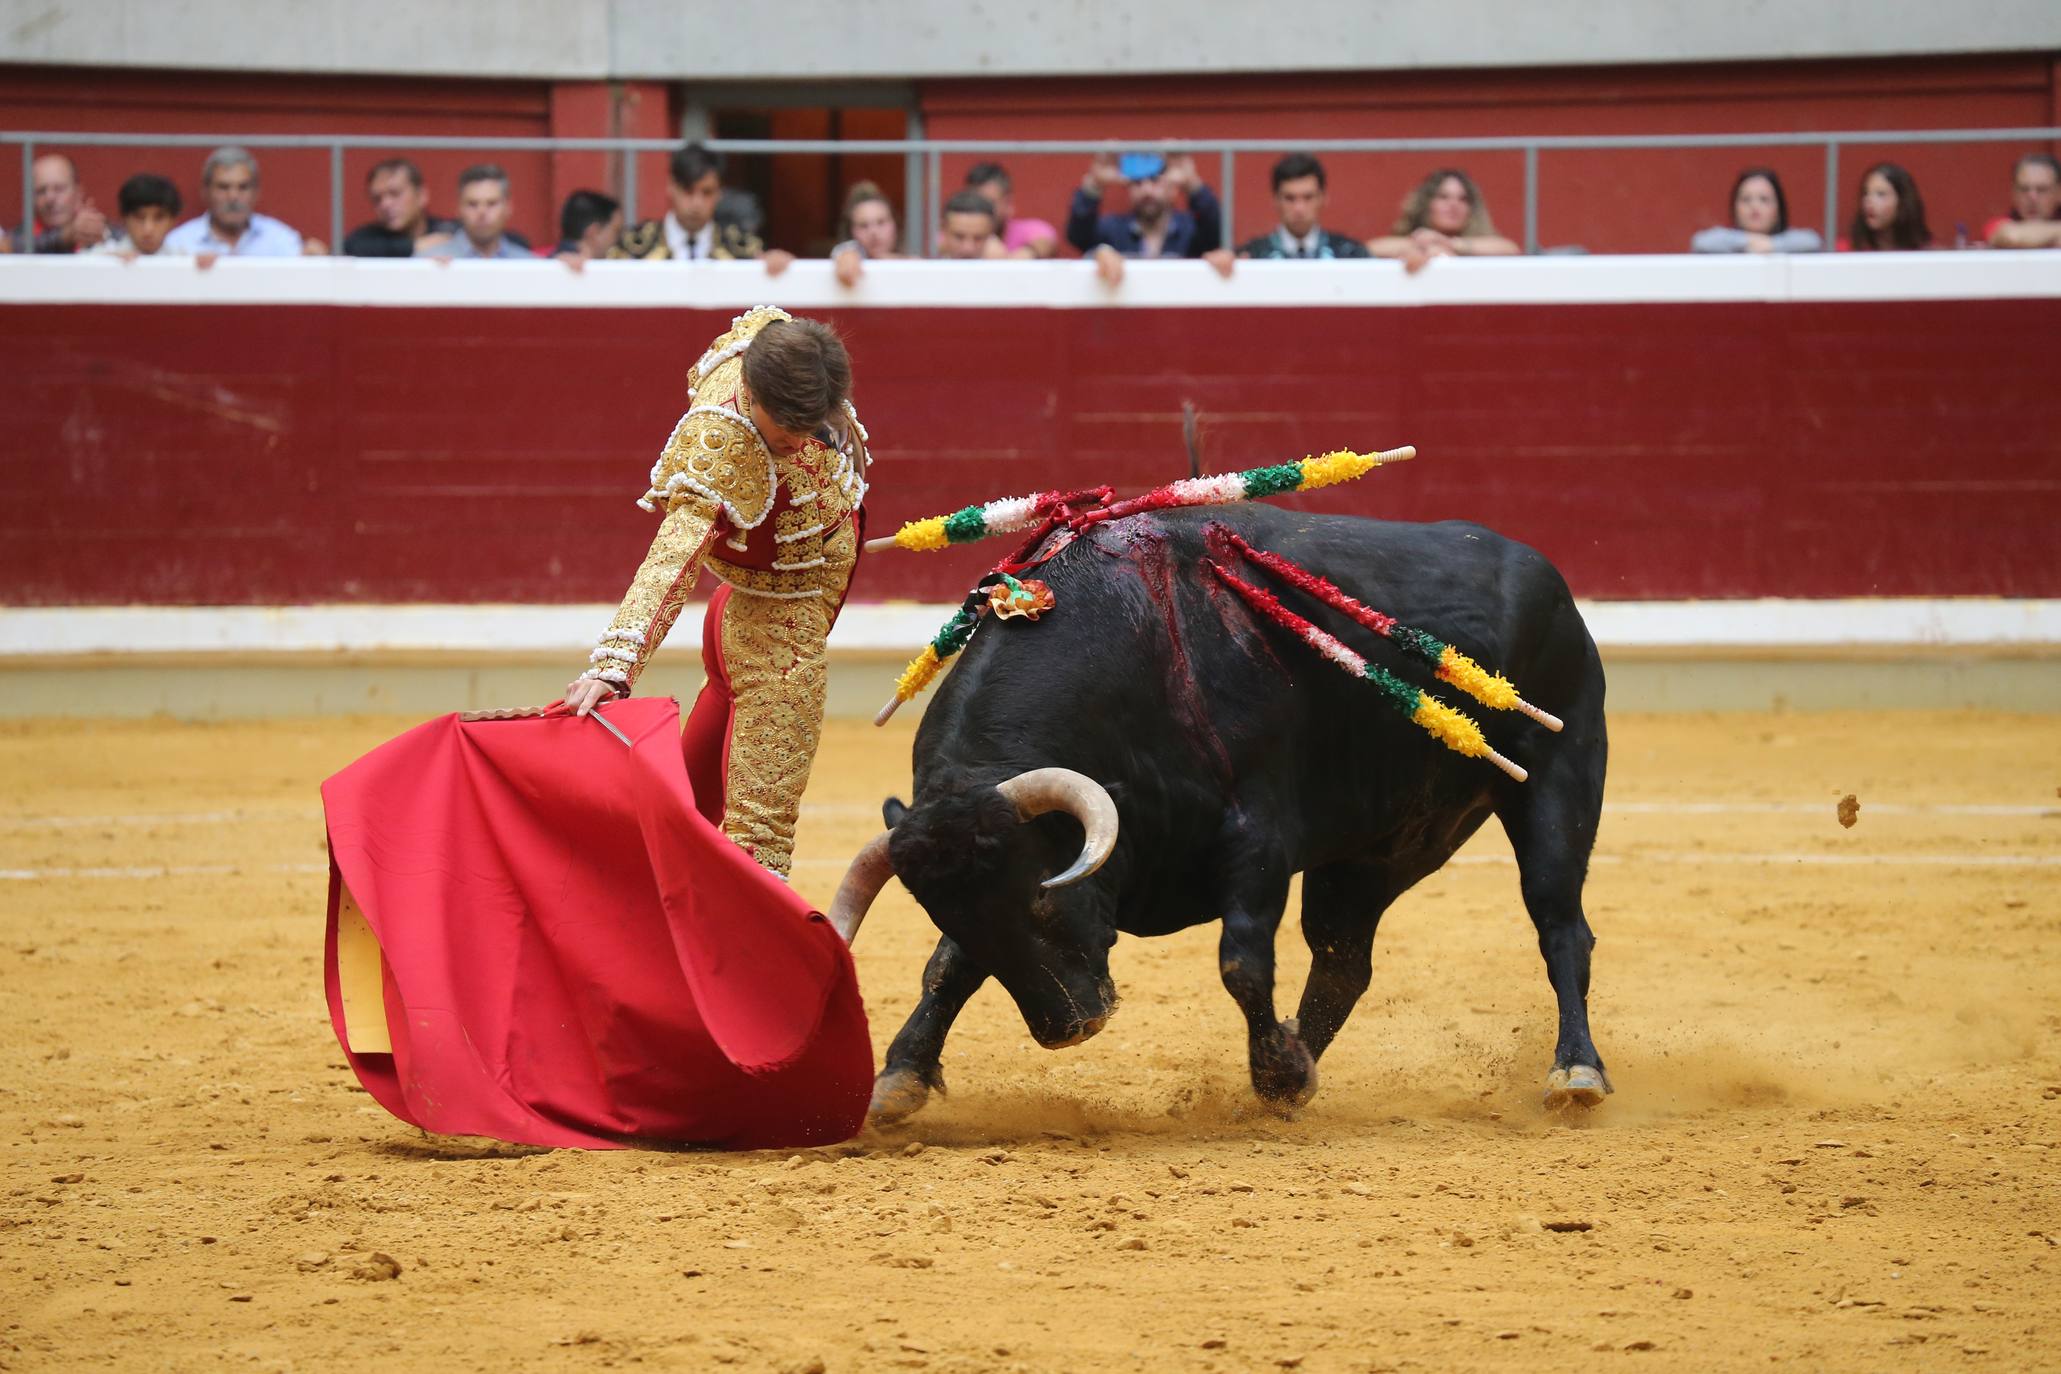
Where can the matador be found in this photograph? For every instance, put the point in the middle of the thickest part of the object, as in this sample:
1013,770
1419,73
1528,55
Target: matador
761,483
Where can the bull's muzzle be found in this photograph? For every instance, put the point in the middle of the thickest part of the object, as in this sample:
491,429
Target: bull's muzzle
1085,1030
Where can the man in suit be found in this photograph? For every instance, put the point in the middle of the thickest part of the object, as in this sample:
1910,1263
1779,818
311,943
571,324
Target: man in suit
691,230
1299,198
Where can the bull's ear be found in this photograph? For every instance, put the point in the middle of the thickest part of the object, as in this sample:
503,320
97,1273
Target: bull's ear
892,811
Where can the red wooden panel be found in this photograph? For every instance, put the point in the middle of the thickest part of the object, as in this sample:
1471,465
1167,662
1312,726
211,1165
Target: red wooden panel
170,454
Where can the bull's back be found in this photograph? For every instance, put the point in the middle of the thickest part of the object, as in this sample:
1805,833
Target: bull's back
1151,671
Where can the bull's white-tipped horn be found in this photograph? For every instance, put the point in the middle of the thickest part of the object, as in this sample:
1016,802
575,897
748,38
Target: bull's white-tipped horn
870,870
1080,796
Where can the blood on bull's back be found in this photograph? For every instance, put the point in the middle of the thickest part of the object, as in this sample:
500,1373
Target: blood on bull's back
1151,672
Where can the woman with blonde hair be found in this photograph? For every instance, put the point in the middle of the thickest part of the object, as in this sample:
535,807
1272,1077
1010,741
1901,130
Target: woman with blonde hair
1444,217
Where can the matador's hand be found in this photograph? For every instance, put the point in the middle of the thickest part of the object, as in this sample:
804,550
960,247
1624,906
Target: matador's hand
583,694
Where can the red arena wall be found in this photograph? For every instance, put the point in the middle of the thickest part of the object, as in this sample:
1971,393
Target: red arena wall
289,453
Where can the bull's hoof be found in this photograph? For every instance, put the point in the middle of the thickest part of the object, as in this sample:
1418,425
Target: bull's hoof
1284,1074
897,1095
1577,1085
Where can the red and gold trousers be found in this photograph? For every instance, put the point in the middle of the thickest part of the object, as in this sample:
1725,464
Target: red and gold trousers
752,736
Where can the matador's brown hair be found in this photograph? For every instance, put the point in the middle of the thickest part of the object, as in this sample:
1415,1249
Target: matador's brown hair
798,370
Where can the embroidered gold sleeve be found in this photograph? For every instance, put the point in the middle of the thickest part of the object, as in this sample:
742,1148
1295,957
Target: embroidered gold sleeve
657,593
715,454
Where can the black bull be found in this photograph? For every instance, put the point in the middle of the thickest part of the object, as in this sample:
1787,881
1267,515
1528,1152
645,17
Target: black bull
1237,758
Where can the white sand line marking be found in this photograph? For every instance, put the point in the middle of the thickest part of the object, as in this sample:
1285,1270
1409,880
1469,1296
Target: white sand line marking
823,810
158,818
38,875
1746,808
1713,856
33,875
1681,856
849,810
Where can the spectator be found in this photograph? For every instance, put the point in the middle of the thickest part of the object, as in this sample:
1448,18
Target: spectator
150,206
968,230
690,230
1299,188
66,219
1153,229
739,214
1891,216
2035,218
484,206
590,225
870,232
403,224
1444,217
1760,221
1021,238
232,225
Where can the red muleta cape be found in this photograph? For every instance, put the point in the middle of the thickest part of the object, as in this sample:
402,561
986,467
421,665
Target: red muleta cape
574,955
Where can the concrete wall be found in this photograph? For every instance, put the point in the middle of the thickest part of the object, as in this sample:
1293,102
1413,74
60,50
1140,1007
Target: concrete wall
835,40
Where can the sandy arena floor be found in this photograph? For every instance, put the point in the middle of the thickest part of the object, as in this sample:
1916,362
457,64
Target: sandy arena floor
1834,1143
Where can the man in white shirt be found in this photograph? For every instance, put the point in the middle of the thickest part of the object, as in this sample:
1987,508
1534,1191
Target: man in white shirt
232,227
150,208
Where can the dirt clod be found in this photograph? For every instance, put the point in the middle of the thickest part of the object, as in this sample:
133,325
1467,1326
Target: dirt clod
1849,810
377,1267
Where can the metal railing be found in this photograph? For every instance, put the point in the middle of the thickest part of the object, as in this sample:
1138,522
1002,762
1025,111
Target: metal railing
924,193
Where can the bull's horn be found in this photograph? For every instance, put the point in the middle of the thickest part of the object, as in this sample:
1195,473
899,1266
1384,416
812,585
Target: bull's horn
1080,796
869,872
